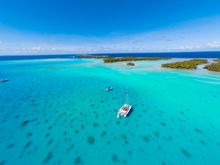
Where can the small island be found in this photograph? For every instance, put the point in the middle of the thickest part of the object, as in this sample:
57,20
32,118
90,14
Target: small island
130,64
190,64
121,59
215,67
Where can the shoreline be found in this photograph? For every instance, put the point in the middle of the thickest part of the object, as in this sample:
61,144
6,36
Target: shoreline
140,65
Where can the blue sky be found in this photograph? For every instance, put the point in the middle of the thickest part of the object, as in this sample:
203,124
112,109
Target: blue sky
99,26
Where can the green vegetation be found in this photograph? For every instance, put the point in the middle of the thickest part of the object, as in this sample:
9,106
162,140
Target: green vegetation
191,64
121,59
214,66
130,64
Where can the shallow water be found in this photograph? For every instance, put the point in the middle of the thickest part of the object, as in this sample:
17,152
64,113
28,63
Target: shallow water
58,112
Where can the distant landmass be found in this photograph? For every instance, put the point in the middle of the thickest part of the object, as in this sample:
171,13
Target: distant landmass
211,54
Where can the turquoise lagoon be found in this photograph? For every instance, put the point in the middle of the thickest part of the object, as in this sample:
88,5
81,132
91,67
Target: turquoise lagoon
58,112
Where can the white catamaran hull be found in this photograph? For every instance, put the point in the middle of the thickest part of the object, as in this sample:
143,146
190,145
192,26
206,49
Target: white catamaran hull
124,110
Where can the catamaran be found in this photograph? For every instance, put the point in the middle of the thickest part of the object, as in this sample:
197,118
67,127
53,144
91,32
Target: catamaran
124,110
109,89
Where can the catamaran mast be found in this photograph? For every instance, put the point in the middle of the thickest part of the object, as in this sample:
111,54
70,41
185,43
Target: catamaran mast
126,95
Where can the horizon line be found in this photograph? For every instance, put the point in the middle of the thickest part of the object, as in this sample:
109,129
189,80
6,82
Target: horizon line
158,52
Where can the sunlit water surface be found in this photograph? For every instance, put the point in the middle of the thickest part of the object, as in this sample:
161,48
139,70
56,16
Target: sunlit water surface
58,112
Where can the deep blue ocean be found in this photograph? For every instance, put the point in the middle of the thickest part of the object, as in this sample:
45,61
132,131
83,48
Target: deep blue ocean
33,57
215,54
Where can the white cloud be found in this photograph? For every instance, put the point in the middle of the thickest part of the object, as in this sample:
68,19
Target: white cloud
194,36
36,48
214,44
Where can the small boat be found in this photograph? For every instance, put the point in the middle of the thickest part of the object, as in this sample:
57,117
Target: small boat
109,89
3,80
124,110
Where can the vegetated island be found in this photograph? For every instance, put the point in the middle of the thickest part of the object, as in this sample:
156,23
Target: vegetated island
122,59
215,67
190,64
130,64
